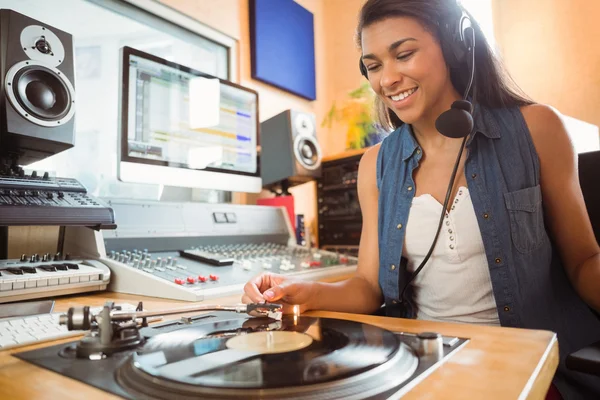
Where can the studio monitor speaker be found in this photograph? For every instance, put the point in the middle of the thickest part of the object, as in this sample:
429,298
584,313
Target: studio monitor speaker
37,93
289,148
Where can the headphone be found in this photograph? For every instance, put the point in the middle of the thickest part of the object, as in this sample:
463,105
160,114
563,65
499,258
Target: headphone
457,38
458,43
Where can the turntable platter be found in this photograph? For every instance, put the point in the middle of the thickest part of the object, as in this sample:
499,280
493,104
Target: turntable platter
307,357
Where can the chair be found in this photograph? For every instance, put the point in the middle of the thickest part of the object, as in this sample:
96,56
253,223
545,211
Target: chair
589,178
587,360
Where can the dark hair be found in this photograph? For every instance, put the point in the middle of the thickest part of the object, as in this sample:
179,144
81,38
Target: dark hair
494,88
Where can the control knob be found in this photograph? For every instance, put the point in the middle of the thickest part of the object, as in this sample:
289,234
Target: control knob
431,344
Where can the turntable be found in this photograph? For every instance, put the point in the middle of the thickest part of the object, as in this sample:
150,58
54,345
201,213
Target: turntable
220,355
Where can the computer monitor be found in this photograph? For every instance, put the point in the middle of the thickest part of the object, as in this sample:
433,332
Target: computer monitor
181,127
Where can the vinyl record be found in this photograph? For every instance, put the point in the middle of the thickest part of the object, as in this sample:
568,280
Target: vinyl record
297,357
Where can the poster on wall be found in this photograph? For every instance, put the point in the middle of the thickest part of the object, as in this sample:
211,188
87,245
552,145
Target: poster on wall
282,45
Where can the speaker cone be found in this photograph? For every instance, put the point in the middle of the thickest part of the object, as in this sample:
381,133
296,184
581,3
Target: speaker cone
307,151
40,93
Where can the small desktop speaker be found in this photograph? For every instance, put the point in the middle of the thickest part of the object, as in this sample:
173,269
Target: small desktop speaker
37,93
289,148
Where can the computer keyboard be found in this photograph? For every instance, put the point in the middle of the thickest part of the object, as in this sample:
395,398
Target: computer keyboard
32,329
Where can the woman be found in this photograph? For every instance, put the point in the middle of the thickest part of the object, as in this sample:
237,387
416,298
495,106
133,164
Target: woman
517,247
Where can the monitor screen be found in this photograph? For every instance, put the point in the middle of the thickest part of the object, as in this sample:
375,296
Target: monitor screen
181,127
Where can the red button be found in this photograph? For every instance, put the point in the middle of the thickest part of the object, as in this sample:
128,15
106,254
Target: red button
191,279
201,278
179,281
344,260
213,277
315,263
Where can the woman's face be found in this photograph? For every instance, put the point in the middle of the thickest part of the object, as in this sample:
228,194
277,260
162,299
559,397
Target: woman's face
406,69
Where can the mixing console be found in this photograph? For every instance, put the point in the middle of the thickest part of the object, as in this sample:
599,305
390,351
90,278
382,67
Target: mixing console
202,276
181,251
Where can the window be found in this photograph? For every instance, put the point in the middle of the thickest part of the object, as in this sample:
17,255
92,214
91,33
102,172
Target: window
100,28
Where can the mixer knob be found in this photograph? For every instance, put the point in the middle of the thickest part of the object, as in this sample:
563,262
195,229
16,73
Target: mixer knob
34,174
213,277
201,278
68,256
23,257
112,254
46,176
179,281
61,195
58,257
32,259
45,257
174,263
49,195
191,279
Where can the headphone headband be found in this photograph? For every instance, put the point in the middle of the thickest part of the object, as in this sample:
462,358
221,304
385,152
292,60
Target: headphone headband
454,37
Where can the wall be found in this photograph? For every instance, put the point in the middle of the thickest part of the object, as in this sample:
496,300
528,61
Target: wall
551,49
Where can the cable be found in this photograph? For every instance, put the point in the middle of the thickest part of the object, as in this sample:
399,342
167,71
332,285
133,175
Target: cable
470,85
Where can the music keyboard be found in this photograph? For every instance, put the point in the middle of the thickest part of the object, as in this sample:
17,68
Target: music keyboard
23,279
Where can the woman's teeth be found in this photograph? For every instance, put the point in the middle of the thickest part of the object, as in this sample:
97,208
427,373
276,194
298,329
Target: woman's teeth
403,95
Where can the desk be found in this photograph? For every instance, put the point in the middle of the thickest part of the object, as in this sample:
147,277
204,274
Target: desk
498,363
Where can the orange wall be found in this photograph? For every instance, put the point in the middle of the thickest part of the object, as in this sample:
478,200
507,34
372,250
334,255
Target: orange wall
551,48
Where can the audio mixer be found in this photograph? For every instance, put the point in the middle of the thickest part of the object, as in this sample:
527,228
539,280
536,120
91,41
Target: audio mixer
193,251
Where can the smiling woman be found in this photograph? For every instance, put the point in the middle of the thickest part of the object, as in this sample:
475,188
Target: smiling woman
507,253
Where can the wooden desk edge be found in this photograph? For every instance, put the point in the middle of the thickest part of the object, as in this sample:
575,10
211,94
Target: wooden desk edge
541,378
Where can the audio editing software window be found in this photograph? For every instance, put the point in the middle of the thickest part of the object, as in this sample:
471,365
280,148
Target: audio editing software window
189,120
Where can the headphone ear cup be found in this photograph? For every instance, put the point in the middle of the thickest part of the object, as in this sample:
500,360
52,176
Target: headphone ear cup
363,69
453,38
457,122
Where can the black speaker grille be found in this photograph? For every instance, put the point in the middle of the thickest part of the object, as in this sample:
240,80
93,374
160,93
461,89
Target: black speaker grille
41,92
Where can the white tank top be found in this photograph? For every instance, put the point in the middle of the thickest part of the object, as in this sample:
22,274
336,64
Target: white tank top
455,284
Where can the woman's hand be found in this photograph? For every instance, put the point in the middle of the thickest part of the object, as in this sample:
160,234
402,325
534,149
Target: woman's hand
275,288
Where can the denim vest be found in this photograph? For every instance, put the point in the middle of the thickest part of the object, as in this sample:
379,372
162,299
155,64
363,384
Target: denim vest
530,285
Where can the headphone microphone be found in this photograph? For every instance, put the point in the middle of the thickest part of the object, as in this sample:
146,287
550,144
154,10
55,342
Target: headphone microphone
457,122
